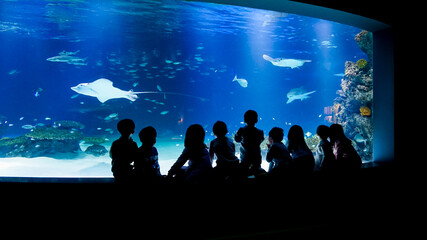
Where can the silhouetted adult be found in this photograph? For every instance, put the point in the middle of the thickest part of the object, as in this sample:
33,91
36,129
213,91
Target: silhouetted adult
196,153
302,157
346,156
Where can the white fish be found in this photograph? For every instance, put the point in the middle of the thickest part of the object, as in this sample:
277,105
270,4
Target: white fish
241,81
286,62
359,138
298,93
27,126
111,116
103,90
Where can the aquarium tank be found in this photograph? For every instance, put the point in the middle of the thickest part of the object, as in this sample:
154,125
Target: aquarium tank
70,70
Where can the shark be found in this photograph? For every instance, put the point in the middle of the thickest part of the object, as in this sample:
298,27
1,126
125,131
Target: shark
286,62
104,90
298,93
68,57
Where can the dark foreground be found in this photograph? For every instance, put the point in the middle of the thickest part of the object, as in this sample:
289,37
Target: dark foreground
375,202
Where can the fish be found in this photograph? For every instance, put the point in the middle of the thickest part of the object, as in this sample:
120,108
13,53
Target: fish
359,138
164,112
286,62
241,81
104,90
68,57
111,116
298,93
28,126
38,91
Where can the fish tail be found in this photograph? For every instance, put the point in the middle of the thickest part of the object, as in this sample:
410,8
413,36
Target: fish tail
268,58
172,93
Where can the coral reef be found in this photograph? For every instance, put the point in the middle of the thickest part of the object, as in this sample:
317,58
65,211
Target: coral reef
364,41
365,111
43,141
96,150
69,125
352,107
94,140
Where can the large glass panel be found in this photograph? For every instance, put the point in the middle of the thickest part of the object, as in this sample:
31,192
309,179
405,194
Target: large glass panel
175,63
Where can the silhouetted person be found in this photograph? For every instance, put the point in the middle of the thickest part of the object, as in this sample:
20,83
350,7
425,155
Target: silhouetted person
196,153
250,138
346,156
278,155
323,155
147,169
123,152
224,149
302,157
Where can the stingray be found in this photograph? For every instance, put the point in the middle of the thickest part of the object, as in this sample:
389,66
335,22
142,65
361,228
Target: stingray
298,93
103,90
285,62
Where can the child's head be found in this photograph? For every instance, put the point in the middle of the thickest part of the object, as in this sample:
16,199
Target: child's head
251,117
126,127
220,129
148,136
323,132
276,134
194,137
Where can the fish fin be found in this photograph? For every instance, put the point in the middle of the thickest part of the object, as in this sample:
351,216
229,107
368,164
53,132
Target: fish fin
268,58
235,78
102,99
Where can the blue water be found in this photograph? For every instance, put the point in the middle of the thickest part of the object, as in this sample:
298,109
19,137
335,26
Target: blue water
170,46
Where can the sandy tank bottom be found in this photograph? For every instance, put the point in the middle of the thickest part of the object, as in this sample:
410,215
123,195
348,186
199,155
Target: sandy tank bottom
82,164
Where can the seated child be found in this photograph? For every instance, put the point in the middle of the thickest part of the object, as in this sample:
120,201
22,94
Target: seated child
323,154
224,149
278,155
250,138
123,152
195,152
146,165
302,157
346,156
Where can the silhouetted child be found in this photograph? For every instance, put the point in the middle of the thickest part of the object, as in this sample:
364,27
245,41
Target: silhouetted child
224,149
250,138
196,153
346,156
278,155
147,167
302,157
323,155
123,152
